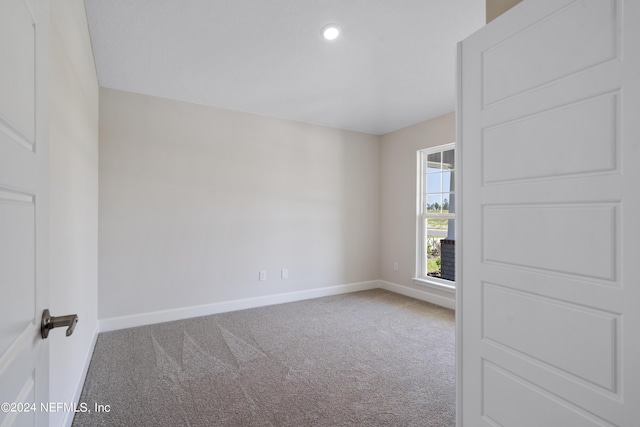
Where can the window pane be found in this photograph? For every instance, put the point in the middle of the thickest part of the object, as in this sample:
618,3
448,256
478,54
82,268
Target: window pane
445,203
433,162
447,181
434,182
434,224
436,232
448,159
434,202
449,203
439,251
434,158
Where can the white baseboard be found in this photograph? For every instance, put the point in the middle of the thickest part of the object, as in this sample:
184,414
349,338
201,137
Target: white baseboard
423,295
68,419
123,322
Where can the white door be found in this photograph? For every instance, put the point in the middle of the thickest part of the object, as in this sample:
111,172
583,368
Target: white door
23,210
549,278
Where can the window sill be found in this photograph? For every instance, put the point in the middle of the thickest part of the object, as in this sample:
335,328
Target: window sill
442,285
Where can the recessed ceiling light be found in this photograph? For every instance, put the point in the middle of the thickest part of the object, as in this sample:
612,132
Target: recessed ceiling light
330,31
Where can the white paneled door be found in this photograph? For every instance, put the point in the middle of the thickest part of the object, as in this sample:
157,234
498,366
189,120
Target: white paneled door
549,272
23,210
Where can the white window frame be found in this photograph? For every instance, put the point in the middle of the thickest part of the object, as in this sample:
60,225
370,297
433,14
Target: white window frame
421,277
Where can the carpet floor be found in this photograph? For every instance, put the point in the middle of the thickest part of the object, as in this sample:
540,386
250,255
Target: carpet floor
371,358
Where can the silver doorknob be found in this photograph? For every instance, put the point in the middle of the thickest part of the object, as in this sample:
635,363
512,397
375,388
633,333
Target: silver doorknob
49,322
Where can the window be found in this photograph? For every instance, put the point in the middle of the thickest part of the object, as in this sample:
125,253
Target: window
436,217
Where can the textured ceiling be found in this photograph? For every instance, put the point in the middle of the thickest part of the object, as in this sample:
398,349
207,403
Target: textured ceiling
393,65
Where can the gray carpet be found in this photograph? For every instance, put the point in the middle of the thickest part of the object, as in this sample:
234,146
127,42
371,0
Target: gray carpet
371,358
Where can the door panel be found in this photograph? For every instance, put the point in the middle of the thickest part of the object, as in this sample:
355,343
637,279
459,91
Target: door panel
511,401
549,148
518,63
553,333
18,82
23,209
545,226
17,225
588,124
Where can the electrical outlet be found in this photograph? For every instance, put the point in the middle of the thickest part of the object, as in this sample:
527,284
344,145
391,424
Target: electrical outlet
262,275
285,273
395,266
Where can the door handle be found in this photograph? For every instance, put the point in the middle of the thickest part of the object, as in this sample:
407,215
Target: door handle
49,322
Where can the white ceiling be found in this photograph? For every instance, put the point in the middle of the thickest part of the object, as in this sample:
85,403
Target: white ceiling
393,66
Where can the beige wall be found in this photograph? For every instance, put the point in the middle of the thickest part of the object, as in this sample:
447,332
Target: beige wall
398,197
496,8
74,198
194,201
